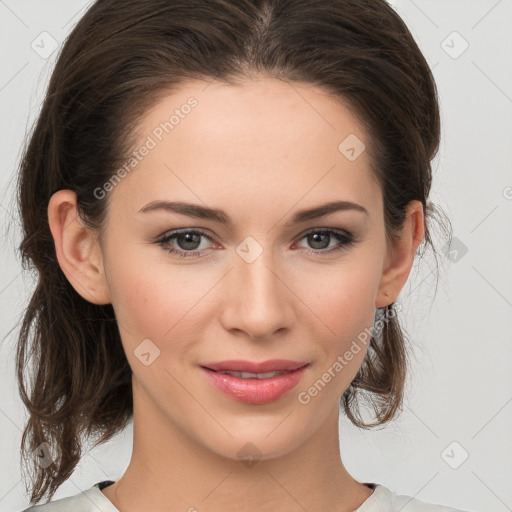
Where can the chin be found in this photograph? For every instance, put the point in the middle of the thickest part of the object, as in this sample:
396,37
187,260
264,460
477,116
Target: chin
257,439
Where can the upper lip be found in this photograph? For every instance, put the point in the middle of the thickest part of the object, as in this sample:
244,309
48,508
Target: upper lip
272,365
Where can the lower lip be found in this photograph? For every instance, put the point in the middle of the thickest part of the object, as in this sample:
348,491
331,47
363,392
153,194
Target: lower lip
255,391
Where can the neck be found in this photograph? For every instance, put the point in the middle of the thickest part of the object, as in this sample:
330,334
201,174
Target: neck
170,471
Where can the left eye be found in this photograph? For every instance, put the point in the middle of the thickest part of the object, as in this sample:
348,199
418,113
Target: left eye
318,238
187,241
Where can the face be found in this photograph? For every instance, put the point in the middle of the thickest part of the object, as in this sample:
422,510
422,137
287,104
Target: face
253,283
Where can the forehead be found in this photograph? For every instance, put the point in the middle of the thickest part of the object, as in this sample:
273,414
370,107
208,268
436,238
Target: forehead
263,139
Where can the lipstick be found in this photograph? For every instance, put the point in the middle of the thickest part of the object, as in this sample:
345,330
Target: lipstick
254,382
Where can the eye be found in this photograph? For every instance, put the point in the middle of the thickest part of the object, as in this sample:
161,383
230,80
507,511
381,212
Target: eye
186,242
186,239
320,239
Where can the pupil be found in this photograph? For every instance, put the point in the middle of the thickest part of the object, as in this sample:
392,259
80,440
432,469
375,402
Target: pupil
188,237
315,240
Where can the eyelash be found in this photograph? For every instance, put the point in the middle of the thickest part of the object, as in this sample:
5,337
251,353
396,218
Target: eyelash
346,239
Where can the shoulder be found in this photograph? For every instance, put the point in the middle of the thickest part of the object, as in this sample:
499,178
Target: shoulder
385,500
90,500
76,503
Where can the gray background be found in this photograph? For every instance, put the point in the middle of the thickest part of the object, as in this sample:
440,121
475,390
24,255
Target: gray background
459,394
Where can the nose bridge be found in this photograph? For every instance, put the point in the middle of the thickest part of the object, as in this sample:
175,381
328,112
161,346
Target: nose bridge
257,297
256,269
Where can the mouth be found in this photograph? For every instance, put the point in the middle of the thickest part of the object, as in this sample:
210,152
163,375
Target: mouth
240,366
252,382
249,375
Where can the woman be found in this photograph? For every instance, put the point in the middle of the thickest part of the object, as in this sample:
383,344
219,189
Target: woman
223,200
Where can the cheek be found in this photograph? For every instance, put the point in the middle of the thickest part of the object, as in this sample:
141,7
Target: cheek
343,298
155,302
168,306
344,304
145,305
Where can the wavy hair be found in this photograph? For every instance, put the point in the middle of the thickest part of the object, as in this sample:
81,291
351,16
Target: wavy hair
120,59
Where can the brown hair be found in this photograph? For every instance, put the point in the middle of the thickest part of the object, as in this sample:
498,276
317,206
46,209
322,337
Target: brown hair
118,61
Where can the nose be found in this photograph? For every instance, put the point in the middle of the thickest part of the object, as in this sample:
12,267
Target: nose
257,300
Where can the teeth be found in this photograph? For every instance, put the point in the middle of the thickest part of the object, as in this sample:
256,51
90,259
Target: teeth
249,375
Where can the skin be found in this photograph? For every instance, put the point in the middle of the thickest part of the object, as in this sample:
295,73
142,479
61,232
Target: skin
260,151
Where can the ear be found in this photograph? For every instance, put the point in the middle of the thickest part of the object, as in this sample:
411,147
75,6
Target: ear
400,256
77,248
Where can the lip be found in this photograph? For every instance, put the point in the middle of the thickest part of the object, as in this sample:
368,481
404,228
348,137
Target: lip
254,391
238,365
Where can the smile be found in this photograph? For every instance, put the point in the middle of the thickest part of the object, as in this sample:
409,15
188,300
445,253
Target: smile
249,375
246,382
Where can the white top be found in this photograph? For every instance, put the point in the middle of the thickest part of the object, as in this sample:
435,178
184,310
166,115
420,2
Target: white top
382,500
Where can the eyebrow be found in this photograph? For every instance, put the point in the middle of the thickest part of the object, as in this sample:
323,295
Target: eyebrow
202,212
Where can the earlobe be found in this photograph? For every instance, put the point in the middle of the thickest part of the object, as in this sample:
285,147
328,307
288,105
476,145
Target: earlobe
401,254
77,248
